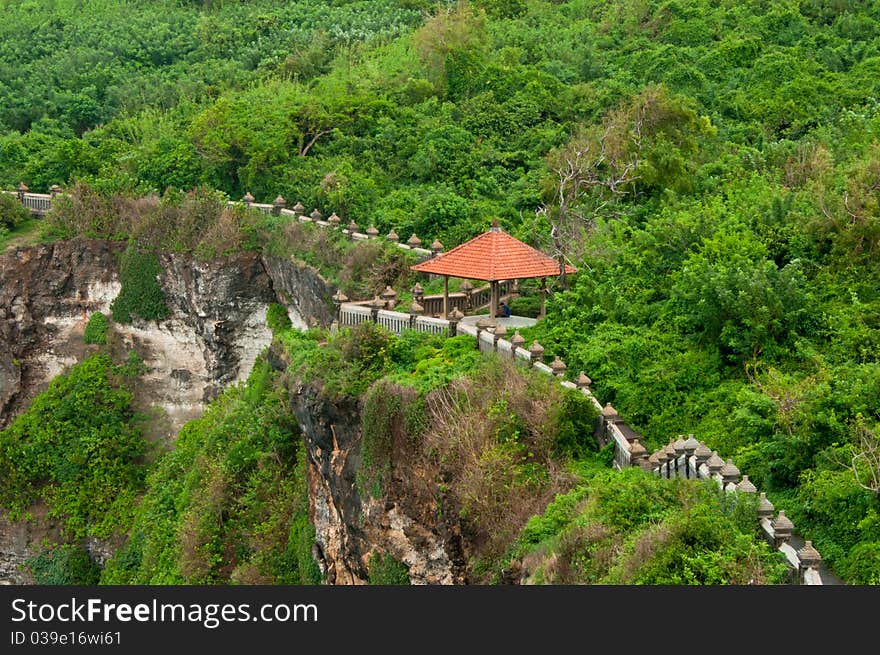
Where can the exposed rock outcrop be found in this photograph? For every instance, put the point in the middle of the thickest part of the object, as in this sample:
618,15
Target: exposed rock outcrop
350,525
215,330
301,287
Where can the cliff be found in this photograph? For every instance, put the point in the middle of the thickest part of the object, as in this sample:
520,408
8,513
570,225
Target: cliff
215,329
351,525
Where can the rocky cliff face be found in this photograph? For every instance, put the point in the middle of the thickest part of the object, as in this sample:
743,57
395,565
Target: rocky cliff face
351,525
215,330
302,289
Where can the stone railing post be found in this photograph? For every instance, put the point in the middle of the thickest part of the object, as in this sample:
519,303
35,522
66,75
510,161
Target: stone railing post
372,232
809,558
352,228
701,456
746,487
415,310
413,241
558,367
669,449
248,199
662,457
690,447
278,204
638,454
516,341
583,382
536,351
454,318
54,190
299,209
715,464
392,237
436,248
22,189
389,295
729,474
680,449
499,332
334,220
375,306
316,215
338,299
782,529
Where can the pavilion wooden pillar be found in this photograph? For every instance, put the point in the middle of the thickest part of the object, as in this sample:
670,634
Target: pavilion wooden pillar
445,296
543,296
493,298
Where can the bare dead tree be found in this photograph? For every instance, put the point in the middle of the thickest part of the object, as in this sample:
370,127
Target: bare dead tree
591,171
866,462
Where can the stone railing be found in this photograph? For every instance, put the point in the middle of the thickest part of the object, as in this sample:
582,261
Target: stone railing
279,208
686,457
39,204
680,458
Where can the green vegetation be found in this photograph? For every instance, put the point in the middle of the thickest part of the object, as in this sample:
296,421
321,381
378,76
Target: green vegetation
385,570
12,212
141,294
633,528
96,329
229,503
711,168
490,440
78,449
64,564
277,317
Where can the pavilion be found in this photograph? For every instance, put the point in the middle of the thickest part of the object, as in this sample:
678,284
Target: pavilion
493,256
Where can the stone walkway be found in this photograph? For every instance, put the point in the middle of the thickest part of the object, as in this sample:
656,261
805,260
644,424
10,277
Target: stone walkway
510,323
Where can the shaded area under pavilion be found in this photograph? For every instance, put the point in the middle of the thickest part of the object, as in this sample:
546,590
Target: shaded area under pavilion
492,257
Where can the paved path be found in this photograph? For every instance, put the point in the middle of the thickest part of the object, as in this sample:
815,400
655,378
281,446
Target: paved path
509,323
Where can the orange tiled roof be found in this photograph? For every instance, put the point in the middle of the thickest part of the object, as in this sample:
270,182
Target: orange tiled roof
492,256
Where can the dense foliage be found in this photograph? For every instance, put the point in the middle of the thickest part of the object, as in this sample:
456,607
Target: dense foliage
229,503
724,209
77,448
96,329
633,528
63,564
141,295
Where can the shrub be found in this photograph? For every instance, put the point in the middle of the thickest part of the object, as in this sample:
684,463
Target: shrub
277,317
12,212
383,569
526,306
63,565
141,294
96,329
78,449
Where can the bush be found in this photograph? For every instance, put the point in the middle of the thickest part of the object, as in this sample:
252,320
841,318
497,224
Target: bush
385,570
96,329
526,306
277,317
63,565
78,449
12,212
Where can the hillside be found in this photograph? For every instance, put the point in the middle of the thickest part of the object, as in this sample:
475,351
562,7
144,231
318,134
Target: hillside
711,168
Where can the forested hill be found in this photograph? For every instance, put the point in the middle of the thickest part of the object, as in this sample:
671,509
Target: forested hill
711,167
